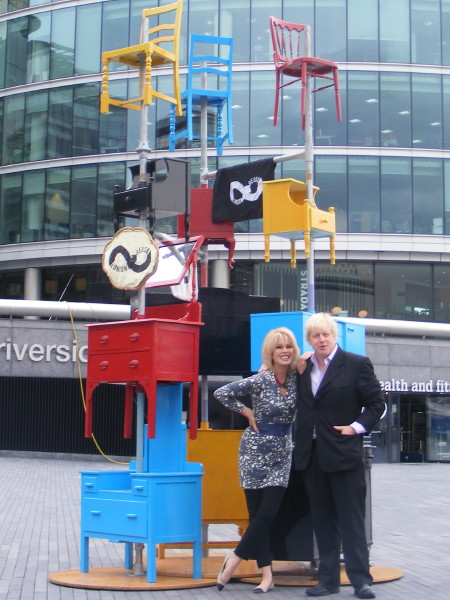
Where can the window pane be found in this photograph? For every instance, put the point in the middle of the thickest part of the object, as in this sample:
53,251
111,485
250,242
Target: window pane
16,51
13,132
60,122
447,196
363,194
57,204
63,43
331,178
327,129
38,64
331,30
362,30
108,176
3,27
427,111
36,126
299,11
446,102
235,23
403,291
240,107
425,32
363,109
262,131
83,202
113,125
441,287
347,285
445,31
33,206
11,208
261,44
86,119
87,55
396,195
394,31
428,201
395,109
115,25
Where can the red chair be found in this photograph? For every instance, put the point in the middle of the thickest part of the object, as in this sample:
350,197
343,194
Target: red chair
291,48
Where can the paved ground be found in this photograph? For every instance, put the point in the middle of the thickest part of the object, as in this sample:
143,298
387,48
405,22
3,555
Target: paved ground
39,534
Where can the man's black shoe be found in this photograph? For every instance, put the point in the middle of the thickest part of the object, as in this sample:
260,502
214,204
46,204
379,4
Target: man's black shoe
320,590
365,592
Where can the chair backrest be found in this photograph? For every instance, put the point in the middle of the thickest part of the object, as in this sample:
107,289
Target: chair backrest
289,41
210,55
164,25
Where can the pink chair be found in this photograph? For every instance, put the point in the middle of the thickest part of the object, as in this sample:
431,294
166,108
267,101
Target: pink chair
291,47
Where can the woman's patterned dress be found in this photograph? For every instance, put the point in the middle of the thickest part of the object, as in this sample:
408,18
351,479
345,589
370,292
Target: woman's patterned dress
264,460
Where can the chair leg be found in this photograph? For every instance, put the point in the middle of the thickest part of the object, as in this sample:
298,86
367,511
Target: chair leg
303,93
277,96
229,122
172,129
337,94
176,88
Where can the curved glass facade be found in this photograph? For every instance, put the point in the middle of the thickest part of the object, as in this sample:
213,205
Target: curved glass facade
385,168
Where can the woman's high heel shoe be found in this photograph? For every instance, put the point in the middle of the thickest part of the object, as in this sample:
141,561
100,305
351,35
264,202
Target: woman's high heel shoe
262,590
221,584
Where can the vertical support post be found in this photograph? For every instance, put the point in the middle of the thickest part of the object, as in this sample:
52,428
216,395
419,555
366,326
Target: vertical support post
142,150
309,169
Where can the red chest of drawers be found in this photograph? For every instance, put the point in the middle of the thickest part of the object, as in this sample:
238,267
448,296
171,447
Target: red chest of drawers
143,352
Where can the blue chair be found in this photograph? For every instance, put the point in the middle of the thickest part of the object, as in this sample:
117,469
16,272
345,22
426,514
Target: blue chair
209,57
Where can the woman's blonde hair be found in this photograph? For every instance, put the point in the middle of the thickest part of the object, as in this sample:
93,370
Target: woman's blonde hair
270,342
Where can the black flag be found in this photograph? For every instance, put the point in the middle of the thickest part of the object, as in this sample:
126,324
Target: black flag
238,190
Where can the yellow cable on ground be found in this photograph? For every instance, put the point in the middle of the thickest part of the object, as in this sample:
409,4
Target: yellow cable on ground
117,462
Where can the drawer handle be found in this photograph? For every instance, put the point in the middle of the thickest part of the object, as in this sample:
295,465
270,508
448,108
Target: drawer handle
96,513
132,516
134,337
133,364
104,339
104,364
139,488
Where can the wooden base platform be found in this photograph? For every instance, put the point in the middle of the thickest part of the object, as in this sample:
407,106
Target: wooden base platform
175,573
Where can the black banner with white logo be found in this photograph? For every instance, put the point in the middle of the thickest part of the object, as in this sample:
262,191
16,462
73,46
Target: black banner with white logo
237,194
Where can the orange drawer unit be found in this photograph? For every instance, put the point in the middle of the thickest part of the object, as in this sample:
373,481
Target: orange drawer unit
141,353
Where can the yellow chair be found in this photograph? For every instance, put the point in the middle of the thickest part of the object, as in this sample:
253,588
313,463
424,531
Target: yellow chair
288,213
159,45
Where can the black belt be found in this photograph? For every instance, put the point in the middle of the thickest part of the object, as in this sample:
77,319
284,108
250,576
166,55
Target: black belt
275,428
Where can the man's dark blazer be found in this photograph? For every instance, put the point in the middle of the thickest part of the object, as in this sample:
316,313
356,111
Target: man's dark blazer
348,386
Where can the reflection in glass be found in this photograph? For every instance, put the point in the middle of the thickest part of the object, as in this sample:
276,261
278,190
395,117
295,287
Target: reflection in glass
11,208
109,175
33,206
260,42
63,43
87,44
403,291
38,63
262,131
36,126
57,204
13,129
345,284
438,425
83,201
441,286
60,120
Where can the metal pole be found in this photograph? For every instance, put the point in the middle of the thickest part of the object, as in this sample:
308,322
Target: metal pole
143,151
309,170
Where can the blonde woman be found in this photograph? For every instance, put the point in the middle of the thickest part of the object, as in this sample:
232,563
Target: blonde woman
265,451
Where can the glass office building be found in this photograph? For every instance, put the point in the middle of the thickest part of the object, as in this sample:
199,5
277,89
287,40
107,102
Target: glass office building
385,168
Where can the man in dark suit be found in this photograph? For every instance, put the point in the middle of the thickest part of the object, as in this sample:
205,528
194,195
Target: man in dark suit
339,400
